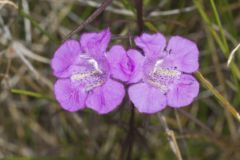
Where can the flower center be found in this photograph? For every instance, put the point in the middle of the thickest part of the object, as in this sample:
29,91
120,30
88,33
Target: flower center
159,75
127,66
91,73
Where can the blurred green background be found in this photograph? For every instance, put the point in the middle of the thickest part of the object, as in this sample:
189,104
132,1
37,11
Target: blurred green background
32,124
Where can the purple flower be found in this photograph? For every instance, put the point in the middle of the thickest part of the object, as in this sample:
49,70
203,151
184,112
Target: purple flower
125,65
166,70
84,75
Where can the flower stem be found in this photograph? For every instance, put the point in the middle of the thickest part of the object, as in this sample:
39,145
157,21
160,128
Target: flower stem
127,145
131,133
225,103
139,8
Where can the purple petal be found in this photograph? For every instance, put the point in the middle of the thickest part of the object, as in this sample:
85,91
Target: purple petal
184,92
64,57
118,61
106,98
152,44
137,60
183,54
147,99
125,66
95,43
69,96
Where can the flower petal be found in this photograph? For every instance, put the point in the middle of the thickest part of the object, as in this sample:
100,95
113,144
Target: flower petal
147,99
137,60
125,66
183,54
95,43
152,44
64,57
117,59
69,96
106,98
184,92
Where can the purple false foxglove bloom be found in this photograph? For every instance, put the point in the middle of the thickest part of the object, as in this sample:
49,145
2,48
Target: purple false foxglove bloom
84,75
125,65
166,71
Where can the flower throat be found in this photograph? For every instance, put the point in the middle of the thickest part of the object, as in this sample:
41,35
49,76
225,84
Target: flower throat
90,74
160,76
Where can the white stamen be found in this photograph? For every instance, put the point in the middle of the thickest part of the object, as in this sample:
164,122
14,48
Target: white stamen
95,64
166,72
80,76
84,56
160,61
